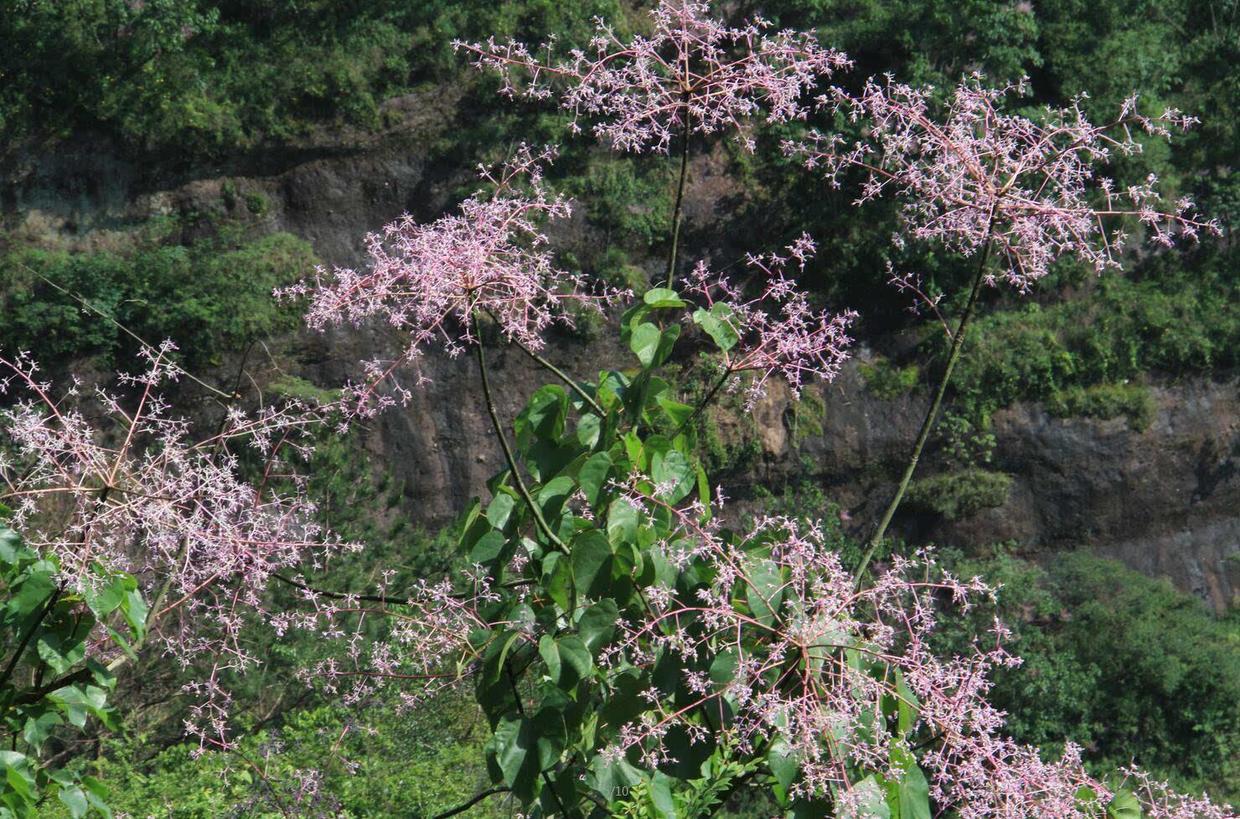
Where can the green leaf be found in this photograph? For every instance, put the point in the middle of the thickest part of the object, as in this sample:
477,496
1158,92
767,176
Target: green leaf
75,800
597,625
568,660
543,417
723,669
593,475
557,579
11,549
677,413
38,728
510,747
497,655
671,468
661,796
589,428
550,653
911,791
489,547
499,509
622,522
663,297
784,767
1124,805
718,324
907,705
591,557
765,591
19,775
610,779
645,342
873,805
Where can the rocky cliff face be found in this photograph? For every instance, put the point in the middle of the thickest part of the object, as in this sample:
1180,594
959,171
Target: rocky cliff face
1165,500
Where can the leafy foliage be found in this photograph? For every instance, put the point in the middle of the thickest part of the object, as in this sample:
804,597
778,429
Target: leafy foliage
1120,663
210,297
52,680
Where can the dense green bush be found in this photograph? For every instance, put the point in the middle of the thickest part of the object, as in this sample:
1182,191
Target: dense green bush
1106,401
888,381
1173,322
211,297
321,761
955,495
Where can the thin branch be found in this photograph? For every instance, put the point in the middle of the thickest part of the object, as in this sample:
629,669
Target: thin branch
927,425
466,806
503,442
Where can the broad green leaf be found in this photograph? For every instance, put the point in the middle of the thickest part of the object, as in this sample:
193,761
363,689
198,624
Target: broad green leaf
591,557
1124,805
911,791
765,590
597,625
673,471
661,796
622,522
544,415
784,767
593,475
488,548
718,324
74,799
645,342
510,747
872,804
499,509
663,297
589,428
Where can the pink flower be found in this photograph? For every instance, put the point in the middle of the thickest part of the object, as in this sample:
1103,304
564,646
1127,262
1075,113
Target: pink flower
776,333
429,281
972,174
107,483
693,72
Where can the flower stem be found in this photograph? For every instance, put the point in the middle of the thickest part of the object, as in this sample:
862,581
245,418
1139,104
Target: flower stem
927,426
565,377
503,442
678,211
704,402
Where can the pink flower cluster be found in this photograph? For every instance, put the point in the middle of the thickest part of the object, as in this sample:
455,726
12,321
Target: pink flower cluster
802,659
106,483
693,73
430,281
973,173
777,331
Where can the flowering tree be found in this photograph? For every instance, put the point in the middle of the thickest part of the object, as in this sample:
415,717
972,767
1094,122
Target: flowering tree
986,183
109,485
692,75
633,653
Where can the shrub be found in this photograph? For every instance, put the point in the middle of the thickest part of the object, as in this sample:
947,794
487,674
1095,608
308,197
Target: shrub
958,495
1105,401
209,297
888,381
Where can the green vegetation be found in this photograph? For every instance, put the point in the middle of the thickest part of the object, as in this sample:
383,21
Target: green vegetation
1171,322
211,78
956,495
1106,401
888,381
1125,666
318,761
50,687
210,297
